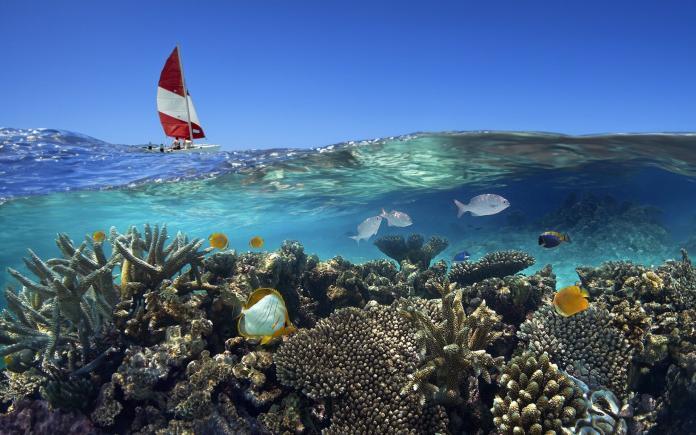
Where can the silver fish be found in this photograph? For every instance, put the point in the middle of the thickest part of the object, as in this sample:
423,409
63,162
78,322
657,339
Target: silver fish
367,228
483,205
396,218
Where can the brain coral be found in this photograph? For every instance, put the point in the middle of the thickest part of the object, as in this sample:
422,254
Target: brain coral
537,397
586,345
359,360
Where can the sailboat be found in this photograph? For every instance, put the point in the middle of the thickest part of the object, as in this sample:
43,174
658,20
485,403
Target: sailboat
176,112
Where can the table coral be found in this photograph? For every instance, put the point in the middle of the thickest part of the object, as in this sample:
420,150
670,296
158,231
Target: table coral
414,249
494,265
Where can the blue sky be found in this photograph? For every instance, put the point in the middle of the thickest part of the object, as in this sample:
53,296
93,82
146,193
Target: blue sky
307,73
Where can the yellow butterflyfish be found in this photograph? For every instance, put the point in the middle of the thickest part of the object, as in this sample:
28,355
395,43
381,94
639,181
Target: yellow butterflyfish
218,241
256,242
99,236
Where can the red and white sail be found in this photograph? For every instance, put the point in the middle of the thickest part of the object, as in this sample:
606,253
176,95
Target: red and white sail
176,111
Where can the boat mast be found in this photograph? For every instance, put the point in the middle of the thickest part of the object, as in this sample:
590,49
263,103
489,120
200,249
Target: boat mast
186,99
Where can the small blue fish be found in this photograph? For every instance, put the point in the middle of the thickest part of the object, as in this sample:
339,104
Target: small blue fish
462,256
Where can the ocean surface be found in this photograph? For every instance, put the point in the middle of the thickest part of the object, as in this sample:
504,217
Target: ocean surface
619,196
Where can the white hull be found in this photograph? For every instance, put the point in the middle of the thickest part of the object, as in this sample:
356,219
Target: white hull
202,148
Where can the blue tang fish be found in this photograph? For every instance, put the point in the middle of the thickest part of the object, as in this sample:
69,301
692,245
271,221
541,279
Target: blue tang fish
462,256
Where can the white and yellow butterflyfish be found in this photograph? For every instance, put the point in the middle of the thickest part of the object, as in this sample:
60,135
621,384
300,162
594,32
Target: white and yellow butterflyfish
264,316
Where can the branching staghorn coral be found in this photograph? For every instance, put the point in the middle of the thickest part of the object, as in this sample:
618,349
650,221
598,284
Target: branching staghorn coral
69,300
454,348
147,261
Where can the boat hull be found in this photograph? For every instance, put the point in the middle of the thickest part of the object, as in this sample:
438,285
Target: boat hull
203,148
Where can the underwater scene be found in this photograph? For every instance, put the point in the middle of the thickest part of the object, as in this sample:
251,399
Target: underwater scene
434,283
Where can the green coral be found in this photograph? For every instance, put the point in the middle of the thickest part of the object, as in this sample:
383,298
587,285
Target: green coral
535,397
454,348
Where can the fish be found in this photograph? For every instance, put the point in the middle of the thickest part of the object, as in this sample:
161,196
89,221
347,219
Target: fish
461,256
570,300
218,240
19,362
483,205
99,236
550,239
256,242
367,228
264,316
396,218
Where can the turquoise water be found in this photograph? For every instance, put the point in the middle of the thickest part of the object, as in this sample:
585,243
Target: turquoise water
320,196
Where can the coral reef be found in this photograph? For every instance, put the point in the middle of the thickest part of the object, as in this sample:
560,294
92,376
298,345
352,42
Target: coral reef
381,348
192,397
358,361
35,417
654,307
147,261
142,368
513,297
284,418
454,349
495,265
220,264
107,407
254,374
414,249
604,413
70,300
585,345
536,398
